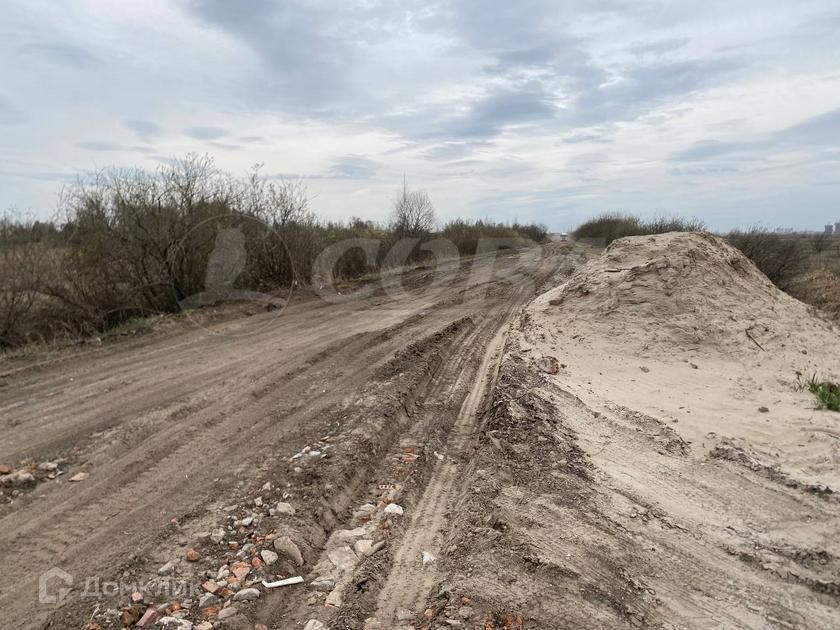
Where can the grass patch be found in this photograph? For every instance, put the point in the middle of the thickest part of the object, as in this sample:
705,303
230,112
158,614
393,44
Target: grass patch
827,392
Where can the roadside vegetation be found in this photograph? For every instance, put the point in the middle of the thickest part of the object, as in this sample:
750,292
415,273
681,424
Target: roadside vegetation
129,243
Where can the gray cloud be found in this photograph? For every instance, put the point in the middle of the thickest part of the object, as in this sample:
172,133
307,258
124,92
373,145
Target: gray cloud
206,133
821,131
353,167
226,146
448,151
112,147
63,53
710,149
143,128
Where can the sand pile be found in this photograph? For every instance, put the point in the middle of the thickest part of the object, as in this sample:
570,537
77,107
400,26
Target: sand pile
683,289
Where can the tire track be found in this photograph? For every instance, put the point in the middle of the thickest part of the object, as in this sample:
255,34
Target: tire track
410,579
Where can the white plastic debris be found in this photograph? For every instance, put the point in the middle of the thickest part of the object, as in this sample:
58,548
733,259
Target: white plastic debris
393,508
287,582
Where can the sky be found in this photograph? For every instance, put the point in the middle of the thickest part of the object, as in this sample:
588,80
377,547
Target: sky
535,110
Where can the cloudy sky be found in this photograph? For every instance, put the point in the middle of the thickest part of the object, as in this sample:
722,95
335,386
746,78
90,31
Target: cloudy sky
542,110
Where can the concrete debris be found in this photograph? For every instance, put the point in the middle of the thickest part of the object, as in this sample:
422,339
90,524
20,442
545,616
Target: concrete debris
314,624
228,612
268,556
288,548
282,509
393,508
428,558
79,476
167,569
246,595
322,584
343,536
342,558
362,547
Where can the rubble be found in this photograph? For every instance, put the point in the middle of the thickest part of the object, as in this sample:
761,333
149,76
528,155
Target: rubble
288,548
283,509
246,595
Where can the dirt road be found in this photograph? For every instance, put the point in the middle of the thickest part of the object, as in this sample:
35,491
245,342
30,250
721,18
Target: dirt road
196,427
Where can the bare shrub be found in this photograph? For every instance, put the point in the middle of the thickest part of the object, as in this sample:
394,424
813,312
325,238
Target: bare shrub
611,226
779,257
22,267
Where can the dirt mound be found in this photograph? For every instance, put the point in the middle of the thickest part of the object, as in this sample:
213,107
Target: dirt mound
685,289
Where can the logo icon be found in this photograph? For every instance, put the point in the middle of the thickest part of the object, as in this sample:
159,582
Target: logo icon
54,585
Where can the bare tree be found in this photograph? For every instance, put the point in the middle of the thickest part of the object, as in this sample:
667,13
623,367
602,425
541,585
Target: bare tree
413,213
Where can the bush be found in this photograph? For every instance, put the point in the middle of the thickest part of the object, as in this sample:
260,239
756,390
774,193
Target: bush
466,234
779,257
611,226
23,254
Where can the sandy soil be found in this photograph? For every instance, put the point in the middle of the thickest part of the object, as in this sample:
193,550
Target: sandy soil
629,448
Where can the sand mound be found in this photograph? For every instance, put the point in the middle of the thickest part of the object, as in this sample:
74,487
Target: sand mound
684,289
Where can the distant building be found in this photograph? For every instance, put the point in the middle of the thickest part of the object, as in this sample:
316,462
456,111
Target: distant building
837,229
829,229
